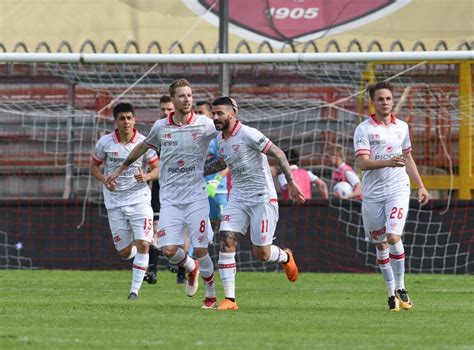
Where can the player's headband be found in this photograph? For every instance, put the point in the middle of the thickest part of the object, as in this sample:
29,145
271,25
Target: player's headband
226,101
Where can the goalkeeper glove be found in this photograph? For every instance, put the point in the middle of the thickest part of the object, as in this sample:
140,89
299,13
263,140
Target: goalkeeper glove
211,186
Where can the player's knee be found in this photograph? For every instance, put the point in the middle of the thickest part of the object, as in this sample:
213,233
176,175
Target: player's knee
142,246
393,239
169,251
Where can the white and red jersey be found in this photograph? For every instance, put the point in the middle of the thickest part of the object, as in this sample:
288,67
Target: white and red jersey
381,142
112,152
183,151
244,153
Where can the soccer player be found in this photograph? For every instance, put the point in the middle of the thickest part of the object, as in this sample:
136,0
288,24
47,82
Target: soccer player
183,139
304,178
127,197
343,172
166,108
253,199
216,183
383,150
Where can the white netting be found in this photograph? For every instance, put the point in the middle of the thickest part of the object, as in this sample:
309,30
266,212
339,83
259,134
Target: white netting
54,115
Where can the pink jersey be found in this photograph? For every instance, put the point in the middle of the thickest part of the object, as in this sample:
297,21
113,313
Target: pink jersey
244,153
112,152
381,142
345,173
302,177
183,151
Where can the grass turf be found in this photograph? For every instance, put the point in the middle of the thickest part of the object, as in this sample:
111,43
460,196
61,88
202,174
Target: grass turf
88,310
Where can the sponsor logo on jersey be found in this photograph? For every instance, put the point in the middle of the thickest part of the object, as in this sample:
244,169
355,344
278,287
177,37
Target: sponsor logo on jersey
238,170
168,136
386,156
169,143
181,170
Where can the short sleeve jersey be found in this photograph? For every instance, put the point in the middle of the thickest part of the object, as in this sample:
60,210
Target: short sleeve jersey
244,153
381,142
183,150
111,152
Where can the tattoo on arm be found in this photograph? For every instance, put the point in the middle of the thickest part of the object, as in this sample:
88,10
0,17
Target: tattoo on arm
214,166
277,153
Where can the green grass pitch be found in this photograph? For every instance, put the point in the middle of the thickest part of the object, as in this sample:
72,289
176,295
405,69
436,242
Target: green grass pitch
88,310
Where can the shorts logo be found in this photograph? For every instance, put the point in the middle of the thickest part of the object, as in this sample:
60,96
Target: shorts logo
225,218
200,239
377,233
161,233
117,239
393,225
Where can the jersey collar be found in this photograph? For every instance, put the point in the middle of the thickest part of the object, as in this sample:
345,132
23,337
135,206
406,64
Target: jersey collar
375,121
235,130
116,137
189,121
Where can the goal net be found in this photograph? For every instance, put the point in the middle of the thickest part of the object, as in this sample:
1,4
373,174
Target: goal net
52,114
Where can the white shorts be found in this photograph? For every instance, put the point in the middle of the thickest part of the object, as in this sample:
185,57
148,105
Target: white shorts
382,218
129,223
262,219
174,219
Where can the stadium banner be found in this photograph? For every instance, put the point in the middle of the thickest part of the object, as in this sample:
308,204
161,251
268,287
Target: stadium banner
325,237
281,23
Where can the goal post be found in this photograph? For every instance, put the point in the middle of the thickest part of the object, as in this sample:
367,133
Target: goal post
55,106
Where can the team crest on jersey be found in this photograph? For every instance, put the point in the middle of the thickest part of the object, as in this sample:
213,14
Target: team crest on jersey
194,135
180,163
398,135
282,21
389,149
167,136
376,137
114,154
235,148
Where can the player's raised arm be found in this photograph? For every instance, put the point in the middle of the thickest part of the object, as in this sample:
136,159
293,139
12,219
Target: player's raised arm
295,192
136,153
